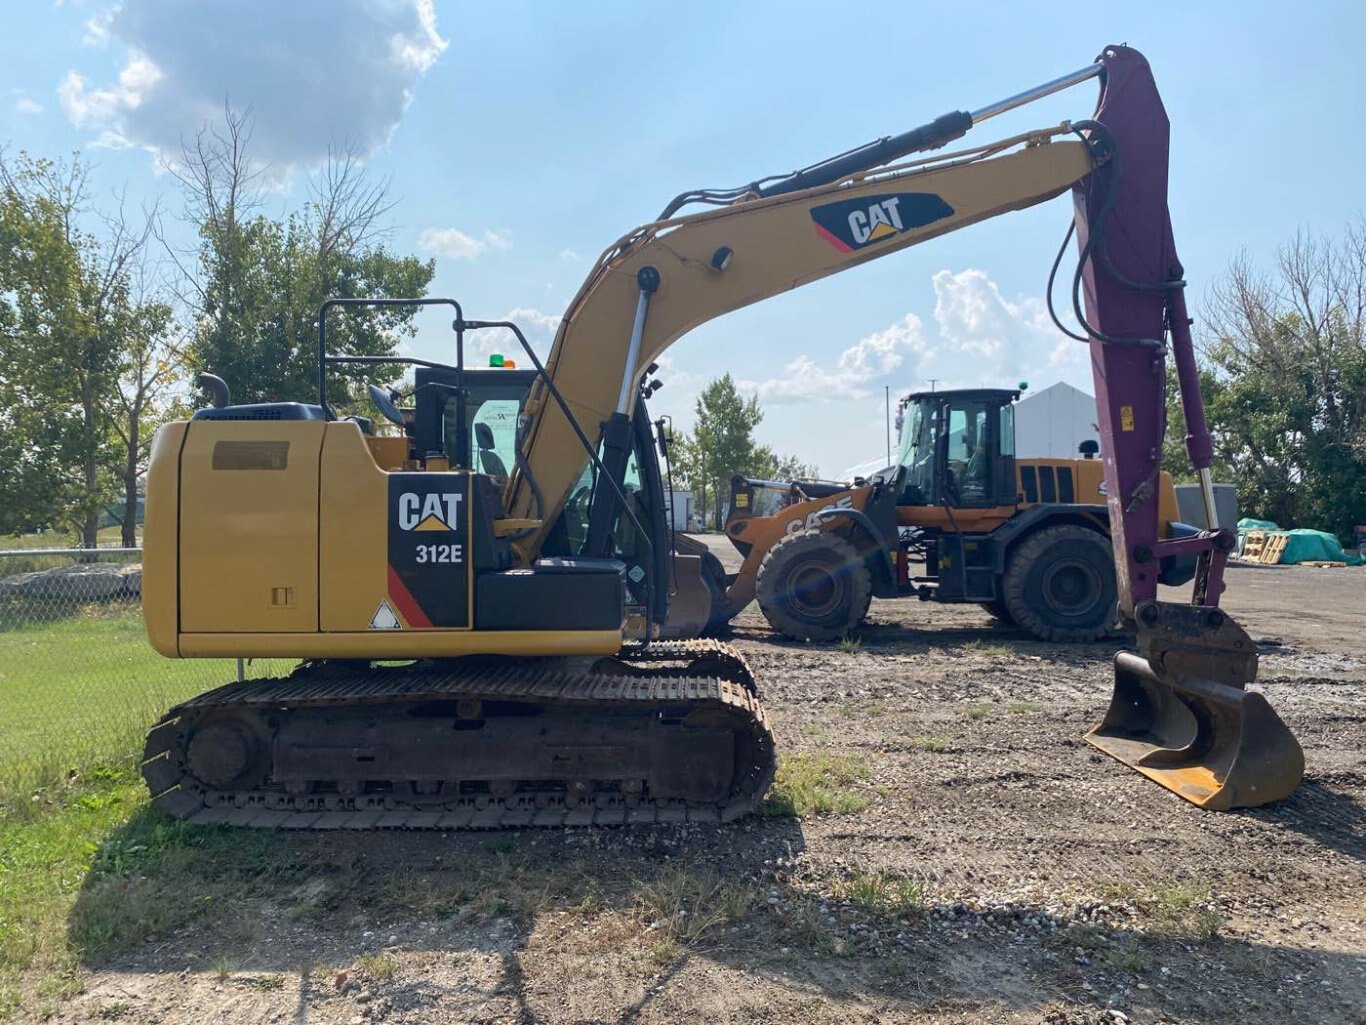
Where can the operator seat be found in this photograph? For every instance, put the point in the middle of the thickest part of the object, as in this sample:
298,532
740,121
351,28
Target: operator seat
489,460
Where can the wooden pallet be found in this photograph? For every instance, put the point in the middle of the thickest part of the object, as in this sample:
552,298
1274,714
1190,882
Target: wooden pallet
1259,546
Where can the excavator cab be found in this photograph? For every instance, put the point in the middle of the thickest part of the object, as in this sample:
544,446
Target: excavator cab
471,416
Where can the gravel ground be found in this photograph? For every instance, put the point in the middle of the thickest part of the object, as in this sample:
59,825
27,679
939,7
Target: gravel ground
1001,871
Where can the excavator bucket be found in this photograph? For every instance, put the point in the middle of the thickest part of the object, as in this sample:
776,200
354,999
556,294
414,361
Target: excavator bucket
1181,715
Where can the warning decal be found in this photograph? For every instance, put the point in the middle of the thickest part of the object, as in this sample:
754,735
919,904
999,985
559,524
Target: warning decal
384,618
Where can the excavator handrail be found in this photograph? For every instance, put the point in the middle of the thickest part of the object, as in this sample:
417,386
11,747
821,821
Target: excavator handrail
324,360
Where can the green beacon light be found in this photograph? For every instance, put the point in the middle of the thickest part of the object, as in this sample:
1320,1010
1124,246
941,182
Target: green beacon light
496,360
1024,386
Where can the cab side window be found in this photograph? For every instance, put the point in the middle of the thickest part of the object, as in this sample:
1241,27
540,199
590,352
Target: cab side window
969,454
493,436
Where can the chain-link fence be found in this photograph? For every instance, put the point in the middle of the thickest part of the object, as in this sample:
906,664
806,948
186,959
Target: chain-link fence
79,684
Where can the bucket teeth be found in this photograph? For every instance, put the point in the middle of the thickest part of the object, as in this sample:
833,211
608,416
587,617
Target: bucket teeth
1210,741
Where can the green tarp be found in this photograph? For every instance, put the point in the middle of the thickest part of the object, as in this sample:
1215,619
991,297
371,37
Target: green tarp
1304,545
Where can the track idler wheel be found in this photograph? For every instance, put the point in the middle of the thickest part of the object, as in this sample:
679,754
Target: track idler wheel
227,753
1182,716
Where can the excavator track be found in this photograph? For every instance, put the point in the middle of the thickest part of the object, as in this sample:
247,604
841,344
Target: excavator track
669,731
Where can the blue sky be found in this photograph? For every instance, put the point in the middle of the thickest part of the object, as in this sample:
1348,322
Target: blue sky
522,138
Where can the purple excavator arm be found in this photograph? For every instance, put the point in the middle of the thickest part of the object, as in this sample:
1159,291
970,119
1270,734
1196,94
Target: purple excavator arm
1180,713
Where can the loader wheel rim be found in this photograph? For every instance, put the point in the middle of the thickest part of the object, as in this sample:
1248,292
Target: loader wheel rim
813,590
1071,588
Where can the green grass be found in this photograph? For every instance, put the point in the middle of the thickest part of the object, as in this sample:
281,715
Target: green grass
97,871
933,745
882,892
379,968
59,539
1181,911
80,692
683,905
979,711
995,649
819,784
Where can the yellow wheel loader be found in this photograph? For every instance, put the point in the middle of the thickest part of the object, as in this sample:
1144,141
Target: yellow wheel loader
957,519
480,640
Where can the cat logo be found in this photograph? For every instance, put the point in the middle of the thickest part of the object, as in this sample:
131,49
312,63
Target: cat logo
852,224
816,518
431,511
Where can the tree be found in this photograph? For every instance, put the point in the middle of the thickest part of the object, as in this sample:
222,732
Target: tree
1286,365
148,374
722,446
253,284
69,318
772,466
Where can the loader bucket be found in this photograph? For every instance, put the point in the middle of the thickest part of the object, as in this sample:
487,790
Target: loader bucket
1206,739
697,604
690,606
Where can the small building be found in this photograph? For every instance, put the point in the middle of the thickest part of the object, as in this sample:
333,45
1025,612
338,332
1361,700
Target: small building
680,509
1054,422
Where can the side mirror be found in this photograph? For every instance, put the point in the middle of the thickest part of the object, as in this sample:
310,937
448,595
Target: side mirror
386,405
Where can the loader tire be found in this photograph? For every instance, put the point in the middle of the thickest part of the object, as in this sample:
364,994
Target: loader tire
999,611
813,585
1060,585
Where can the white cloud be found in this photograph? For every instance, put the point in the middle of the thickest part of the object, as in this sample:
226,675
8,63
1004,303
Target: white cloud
992,341
454,244
85,106
313,75
535,322
27,105
858,369
538,326
97,27
569,256
981,339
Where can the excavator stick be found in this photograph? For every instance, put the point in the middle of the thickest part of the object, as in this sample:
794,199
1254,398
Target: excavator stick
1181,714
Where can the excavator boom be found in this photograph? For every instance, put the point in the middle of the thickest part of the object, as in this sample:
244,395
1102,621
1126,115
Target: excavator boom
1186,720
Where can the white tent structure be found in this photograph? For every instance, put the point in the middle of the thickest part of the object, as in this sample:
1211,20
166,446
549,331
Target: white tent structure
1053,422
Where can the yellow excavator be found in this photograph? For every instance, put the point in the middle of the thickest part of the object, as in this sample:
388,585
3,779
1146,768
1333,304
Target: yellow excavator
479,630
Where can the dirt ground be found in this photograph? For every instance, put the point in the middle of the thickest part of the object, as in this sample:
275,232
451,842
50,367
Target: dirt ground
1001,871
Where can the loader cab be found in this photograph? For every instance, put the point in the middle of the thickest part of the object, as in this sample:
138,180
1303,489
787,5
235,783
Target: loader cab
958,448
